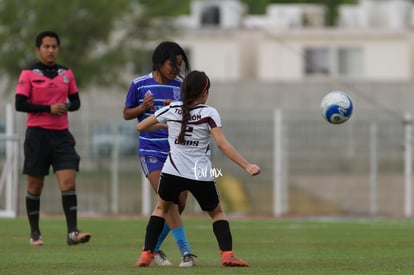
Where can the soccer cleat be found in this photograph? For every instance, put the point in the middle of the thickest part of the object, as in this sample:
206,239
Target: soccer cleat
36,239
228,259
77,237
161,259
188,260
145,259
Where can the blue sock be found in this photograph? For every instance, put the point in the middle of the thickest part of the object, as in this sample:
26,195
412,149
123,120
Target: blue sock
181,240
162,237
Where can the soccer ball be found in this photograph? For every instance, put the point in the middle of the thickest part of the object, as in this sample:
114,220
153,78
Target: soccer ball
336,107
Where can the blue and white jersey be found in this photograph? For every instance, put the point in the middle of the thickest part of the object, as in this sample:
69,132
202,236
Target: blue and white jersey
190,159
152,143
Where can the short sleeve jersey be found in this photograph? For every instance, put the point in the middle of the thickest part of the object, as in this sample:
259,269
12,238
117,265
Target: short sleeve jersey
152,143
40,89
190,159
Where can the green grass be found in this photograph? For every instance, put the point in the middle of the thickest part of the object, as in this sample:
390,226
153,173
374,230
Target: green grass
271,246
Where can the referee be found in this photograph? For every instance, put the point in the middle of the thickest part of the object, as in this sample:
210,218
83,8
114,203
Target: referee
47,92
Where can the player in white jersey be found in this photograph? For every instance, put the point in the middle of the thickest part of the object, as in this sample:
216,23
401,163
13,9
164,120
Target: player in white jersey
191,124
188,158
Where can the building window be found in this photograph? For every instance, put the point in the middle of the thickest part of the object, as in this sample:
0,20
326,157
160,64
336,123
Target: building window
334,62
317,61
349,62
210,16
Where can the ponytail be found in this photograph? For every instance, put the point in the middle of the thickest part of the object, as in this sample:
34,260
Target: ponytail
193,85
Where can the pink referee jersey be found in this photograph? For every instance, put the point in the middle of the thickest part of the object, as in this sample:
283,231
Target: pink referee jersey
45,91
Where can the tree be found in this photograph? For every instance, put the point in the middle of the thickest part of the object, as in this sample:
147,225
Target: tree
99,38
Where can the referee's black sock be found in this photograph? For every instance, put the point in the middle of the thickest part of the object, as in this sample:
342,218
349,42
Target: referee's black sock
154,229
221,229
33,209
70,208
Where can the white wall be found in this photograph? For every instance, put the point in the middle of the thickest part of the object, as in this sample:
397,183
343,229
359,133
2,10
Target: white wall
231,12
277,61
374,14
387,60
219,57
279,56
260,48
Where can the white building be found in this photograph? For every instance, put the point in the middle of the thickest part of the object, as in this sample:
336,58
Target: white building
372,41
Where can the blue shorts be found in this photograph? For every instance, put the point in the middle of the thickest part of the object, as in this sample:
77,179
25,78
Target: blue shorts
150,164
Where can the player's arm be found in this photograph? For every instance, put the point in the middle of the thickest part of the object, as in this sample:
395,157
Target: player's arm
74,102
23,105
134,112
227,148
21,99
150,124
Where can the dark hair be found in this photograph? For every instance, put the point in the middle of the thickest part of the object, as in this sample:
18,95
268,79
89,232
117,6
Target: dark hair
168,50
40,36
193,85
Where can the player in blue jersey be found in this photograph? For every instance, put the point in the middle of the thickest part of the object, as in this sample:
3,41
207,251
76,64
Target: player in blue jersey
147,94
191,125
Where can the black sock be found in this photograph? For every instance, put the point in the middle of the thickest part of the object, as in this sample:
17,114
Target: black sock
32,210
223,235
154,229
70,208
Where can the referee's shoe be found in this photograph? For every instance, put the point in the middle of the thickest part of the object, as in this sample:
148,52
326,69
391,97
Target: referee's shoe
77,237
36,239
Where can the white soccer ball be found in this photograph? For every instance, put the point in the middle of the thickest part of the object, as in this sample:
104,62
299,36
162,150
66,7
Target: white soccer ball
336,107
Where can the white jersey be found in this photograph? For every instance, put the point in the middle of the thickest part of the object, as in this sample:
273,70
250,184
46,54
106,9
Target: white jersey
190,159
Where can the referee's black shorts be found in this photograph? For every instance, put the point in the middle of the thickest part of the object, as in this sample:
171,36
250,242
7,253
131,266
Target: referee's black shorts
205,192
44,148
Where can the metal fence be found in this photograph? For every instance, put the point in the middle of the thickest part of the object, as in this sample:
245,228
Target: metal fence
357,168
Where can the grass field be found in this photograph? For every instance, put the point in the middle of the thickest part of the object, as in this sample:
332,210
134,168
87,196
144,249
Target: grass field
271,246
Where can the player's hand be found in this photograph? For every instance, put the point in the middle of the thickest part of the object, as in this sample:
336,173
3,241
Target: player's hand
148,102
58,109
253,169
167,102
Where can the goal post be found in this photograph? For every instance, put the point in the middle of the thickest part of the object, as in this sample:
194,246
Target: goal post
9,173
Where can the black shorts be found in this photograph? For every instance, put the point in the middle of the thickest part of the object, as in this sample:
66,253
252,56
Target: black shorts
205,192
44,148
